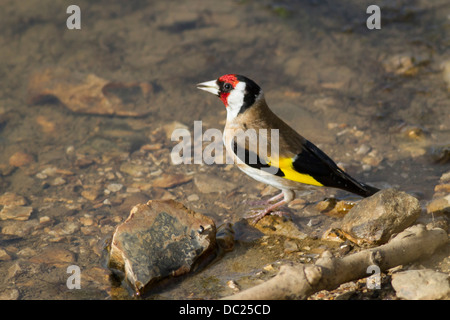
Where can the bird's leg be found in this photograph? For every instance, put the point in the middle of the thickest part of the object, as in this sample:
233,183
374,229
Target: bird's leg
288,197
277,197
265,202
261,213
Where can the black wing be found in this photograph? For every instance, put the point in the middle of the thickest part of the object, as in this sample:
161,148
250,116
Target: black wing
317,164
253,160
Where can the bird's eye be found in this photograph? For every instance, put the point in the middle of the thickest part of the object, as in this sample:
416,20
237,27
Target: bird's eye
227,86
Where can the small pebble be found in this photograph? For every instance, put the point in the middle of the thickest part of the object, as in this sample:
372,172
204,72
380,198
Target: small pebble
41,176
114,187
290,246
363,149
4,256
170,180
90,194
193,197
20,159
233,285
44,219
58,181
133,190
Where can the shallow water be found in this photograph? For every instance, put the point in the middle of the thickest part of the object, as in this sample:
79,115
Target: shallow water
322,70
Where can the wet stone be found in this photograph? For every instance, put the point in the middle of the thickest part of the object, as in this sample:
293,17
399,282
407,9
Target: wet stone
282,226
78,91
211,184
134,170
4,256
9,198
114,187
171,180
91,193
193,197
290,246
158,240
58,181
377,218
440,203
20,159
54,256
334,208
19,228
13,212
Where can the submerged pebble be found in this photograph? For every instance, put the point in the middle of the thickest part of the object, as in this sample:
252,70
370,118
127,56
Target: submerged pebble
211,184
170,180
114,187
334,208
14,212
12,199
54,255
21,159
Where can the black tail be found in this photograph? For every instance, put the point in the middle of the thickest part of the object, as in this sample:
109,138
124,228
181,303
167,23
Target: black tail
368,191
315,162
347,183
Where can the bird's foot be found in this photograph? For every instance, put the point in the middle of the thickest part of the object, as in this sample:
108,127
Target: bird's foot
259,214
257,203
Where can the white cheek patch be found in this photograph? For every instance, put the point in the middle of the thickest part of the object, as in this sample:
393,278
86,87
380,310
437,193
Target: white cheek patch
235,101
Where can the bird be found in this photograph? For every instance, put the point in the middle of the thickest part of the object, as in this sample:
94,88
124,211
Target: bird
293,163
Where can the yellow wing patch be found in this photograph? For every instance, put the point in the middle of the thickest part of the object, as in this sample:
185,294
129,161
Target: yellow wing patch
285,165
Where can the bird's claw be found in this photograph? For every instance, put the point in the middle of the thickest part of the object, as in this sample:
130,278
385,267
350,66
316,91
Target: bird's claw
259,214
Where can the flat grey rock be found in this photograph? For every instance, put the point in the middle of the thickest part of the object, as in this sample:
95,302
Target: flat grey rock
160,239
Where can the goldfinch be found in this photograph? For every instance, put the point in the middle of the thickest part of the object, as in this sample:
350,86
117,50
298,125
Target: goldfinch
293,162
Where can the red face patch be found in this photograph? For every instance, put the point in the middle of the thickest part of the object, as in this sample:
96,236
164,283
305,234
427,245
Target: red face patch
224,97
230,78
227,79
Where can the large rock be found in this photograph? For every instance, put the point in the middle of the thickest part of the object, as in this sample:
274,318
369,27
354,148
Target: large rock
421,285
160,239
377,218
